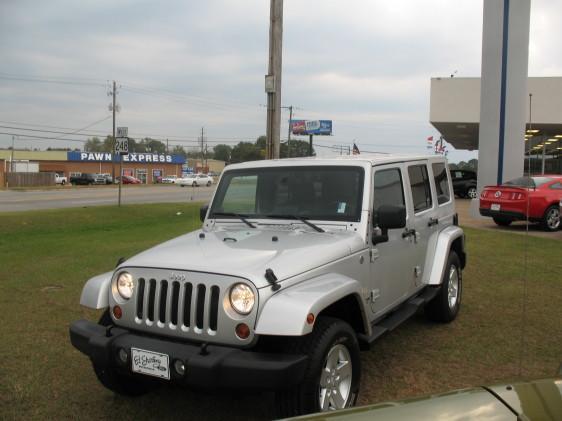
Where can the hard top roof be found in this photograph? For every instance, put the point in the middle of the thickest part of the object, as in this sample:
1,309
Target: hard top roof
362,159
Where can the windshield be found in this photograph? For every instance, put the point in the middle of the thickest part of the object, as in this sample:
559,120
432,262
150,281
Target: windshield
319,192
528,181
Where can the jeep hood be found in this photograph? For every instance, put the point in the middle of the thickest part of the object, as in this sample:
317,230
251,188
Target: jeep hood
248,253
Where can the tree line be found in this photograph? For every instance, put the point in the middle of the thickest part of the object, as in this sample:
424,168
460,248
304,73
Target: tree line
242,152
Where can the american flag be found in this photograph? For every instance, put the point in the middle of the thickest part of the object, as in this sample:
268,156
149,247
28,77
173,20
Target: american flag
355,149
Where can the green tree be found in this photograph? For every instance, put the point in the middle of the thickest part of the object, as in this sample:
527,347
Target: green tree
222,152
245,151
151,146
94,145
179,150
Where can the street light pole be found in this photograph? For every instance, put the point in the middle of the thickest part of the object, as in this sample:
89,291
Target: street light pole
12,156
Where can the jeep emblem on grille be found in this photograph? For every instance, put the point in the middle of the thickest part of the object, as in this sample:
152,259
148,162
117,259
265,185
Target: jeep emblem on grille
177,277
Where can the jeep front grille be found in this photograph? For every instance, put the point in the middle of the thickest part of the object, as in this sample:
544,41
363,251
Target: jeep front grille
178,305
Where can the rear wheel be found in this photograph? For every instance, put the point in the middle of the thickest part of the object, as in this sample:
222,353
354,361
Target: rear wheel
332,378
445,306
502,221
472,193
551,218
194,184
118,383
63,182
208,183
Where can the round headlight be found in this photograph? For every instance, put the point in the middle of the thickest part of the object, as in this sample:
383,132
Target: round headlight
242,298
125,285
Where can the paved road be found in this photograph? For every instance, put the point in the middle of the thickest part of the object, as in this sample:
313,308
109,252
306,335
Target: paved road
68,196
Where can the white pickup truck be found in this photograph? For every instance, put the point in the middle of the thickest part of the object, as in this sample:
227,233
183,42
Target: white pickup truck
60,179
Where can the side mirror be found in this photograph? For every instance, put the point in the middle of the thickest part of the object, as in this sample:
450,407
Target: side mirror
203,212
388,217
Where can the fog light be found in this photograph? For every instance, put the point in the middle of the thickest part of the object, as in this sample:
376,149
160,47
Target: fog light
123,357
179,366
117,312
242,331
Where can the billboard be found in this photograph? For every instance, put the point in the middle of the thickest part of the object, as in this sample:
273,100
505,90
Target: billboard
315,127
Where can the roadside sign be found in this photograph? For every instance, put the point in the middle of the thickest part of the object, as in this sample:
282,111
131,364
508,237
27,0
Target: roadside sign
122,132
122,145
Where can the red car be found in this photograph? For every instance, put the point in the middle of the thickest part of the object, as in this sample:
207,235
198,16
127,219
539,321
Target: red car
538,197
127,179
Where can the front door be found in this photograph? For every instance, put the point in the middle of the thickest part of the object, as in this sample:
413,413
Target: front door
392,262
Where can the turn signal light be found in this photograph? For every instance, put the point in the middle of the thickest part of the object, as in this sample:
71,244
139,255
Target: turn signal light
117,312
310,318
242,331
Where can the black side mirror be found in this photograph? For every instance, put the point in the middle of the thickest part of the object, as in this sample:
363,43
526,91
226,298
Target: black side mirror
388,217
203,212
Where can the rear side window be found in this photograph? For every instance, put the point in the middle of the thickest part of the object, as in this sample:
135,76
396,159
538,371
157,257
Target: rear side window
441,183
419,185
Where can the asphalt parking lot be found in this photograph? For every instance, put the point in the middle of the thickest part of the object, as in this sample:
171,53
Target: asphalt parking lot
72,196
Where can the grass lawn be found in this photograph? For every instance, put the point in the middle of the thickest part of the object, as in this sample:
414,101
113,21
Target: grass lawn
46,256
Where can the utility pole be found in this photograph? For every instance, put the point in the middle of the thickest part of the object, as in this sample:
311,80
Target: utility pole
273,79
167,148
113,151
202,140
12,156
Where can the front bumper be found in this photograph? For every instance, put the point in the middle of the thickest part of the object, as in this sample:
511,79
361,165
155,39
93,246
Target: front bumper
215,367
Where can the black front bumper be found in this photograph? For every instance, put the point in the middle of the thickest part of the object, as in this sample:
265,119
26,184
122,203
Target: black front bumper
214,367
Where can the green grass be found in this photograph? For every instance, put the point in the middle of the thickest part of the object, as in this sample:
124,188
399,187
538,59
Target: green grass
46,256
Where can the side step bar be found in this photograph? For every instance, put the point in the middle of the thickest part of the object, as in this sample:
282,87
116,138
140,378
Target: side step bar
398,316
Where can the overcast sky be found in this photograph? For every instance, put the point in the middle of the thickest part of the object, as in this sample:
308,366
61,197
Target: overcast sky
182,65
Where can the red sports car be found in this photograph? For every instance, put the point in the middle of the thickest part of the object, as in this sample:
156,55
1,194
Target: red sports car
127,179
538,197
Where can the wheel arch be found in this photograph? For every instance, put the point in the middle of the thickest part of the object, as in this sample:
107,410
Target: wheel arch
95,293
332,294
451,238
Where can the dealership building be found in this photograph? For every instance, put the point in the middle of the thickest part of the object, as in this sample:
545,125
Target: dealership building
147,167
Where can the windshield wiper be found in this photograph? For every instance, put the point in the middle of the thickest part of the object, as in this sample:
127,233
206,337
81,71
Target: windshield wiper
299,218
237,215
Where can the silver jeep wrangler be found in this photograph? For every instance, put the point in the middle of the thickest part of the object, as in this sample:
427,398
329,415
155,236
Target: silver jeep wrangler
300,263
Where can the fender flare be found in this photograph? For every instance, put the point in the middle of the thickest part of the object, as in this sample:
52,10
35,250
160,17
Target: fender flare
441,253
285,313
95,293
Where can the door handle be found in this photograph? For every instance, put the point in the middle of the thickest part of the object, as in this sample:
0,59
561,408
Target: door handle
408,233
432,222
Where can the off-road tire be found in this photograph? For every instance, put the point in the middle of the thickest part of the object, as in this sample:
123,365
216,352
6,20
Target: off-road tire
551,218
502,221
118,383
440,309
305,398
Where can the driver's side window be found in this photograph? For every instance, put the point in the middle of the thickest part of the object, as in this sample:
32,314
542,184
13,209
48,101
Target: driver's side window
388,190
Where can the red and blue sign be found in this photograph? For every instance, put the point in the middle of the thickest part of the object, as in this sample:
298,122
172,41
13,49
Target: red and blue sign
314,127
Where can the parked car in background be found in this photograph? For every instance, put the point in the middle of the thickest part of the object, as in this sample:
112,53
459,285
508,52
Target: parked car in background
84,179
464,183
195,180
60,179
108,178
537,198
127,179
169,179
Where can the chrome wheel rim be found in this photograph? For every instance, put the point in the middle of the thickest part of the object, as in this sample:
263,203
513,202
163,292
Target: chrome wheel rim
553,219
453,290
472,193
335,379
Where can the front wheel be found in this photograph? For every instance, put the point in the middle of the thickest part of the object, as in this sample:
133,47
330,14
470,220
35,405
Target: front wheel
551,218
63,182
208,183
194,184
333,374
445,306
